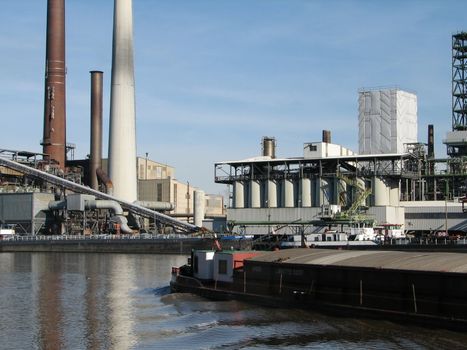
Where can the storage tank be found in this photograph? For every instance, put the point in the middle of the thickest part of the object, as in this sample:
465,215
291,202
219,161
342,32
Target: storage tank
239,196
317,193
272,193
328,190
306,192
380,192
288,193
255,194
394,194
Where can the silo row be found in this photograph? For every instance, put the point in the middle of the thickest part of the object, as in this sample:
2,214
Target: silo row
309,192
285,193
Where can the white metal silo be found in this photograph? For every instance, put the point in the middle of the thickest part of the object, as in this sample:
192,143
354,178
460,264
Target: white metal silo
394,194
255,194
306,192
239,195
272,193
288,193
380,192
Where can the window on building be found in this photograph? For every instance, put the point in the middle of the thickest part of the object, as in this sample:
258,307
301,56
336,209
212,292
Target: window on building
159,193
313,148
222,267
175,194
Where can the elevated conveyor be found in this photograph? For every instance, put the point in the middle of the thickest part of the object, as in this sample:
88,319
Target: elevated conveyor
77,188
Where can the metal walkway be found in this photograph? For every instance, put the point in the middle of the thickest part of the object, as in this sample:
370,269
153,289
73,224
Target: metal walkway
77,188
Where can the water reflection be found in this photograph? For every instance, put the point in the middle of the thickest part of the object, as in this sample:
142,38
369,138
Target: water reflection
118,301
55,301
48,306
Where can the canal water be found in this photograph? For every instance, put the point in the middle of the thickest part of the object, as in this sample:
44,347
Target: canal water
122,301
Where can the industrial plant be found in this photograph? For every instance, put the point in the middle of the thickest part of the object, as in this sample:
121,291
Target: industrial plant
53,193
394,185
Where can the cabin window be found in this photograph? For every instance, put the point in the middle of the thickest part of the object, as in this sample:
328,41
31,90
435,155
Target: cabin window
222,267
313,148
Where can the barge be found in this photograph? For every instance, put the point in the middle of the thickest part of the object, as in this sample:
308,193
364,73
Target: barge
418,287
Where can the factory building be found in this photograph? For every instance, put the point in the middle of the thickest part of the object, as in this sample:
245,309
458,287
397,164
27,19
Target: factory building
393,180
157,183
387,120
281,192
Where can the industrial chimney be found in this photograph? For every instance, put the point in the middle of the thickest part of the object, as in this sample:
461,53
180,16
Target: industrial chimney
54,140
327,136
122,138
431,141
269,146
95,160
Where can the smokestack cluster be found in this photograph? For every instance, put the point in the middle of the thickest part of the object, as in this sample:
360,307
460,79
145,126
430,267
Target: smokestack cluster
122,138
54,140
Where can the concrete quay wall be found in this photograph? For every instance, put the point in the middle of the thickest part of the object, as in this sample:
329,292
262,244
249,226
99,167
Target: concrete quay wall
149,246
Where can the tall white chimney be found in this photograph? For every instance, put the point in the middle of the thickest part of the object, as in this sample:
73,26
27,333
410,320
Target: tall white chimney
122,138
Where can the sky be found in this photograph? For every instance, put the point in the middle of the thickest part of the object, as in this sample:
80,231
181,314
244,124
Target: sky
215,76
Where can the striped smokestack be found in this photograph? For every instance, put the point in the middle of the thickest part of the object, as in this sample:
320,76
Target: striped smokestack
54,140
122,138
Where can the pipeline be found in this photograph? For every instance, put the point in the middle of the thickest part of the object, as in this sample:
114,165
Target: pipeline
166,206
72,186
115,208
105,179
99,204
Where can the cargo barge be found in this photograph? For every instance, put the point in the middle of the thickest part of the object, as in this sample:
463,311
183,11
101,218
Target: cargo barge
423,288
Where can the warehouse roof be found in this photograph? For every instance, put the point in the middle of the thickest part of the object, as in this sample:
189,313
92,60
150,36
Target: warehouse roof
392,260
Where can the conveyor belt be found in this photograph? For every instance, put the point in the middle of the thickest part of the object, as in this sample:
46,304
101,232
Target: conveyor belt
72,186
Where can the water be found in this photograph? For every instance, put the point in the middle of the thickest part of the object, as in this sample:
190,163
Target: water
122,301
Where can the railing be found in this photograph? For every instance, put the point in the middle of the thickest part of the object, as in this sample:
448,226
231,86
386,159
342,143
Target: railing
145,237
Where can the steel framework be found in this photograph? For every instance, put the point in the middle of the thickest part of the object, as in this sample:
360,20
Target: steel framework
459,81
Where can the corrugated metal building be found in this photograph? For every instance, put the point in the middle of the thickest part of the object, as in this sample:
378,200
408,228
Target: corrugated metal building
26,210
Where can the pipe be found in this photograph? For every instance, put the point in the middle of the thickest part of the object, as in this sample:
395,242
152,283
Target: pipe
115,207
95,160
104,178
57,205
122,133
162,206
54,139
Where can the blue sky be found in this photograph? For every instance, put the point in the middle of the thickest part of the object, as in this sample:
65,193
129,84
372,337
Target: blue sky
213,77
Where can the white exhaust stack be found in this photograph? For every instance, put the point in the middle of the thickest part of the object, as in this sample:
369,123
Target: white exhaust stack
122,138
